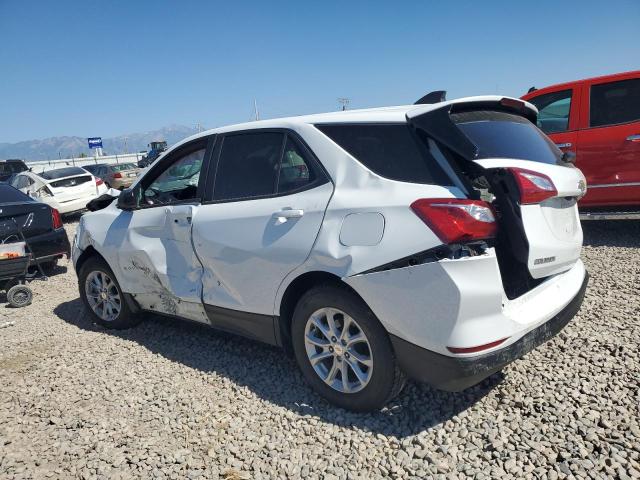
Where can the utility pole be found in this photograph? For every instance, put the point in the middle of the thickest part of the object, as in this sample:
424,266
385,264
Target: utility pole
125,145
344,102
198,127
255,109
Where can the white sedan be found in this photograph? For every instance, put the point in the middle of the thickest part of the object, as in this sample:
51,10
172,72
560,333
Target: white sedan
66,189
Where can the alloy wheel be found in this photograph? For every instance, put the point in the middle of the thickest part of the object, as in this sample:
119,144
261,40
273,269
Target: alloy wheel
338,350
103,295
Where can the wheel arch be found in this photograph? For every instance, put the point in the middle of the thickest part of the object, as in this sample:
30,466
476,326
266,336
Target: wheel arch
294,291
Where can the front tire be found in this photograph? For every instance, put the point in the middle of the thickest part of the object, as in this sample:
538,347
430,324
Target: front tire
343,350
102,296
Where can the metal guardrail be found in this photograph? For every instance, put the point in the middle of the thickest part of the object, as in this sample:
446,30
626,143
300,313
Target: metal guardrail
44,165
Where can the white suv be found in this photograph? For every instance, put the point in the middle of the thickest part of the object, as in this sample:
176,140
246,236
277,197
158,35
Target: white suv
439,242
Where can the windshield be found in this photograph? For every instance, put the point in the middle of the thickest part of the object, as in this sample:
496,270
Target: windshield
504,135
123,166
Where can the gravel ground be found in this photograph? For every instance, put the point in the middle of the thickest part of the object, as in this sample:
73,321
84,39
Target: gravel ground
174,400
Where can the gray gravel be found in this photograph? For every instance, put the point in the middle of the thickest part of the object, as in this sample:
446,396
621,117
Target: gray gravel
174,400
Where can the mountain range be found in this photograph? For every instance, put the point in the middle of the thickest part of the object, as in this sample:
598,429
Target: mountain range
67,147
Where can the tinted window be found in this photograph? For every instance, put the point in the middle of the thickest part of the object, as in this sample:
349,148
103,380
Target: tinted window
13,167
295,171
62,172
616,102
122,167
248,166
504,135
178,182
553,111
388,150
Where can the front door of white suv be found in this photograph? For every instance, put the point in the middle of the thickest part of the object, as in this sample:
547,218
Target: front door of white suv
156,260
259,221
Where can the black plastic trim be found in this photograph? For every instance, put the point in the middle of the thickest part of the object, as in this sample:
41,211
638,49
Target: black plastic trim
454,374
251,325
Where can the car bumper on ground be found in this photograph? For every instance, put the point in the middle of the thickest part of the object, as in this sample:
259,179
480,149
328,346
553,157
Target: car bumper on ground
49,246
457,373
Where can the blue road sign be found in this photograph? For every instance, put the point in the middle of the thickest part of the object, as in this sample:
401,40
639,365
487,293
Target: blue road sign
95,142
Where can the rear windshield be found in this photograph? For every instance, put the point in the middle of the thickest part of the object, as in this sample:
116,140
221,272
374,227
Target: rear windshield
123,166
504,135
390,150
8,194
62,172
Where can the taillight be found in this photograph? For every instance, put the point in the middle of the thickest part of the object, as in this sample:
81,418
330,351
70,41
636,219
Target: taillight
117,175
99,182
456,220
534,187
55,217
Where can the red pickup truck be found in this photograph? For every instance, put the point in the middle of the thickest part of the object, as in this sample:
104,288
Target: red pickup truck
599,120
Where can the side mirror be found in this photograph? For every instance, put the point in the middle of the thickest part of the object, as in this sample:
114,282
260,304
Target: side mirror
128,200
569,157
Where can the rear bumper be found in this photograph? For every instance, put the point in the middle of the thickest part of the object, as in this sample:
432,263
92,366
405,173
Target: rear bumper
71,206
457,373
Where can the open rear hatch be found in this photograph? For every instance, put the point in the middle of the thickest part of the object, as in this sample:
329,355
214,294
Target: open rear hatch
493,150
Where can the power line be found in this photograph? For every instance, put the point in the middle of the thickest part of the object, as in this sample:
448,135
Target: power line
344,101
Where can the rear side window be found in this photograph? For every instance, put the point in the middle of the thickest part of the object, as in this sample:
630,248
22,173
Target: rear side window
504,135
553,111
614,103
391,151
248,166
296,171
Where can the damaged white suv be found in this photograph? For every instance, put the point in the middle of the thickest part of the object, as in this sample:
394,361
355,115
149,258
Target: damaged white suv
438,242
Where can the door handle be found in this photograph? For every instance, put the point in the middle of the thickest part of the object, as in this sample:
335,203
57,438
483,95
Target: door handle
633,138
283,215
564,145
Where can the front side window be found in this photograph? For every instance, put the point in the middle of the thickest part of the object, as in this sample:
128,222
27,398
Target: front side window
389,150
553,111
178,182
248,166
505,135
614,103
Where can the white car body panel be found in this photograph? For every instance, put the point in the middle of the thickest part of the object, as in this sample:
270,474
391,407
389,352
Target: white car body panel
235,240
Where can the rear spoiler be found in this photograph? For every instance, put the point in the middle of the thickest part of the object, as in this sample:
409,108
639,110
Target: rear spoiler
436,121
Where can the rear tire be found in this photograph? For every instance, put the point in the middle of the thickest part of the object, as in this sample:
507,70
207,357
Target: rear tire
318,332
102,296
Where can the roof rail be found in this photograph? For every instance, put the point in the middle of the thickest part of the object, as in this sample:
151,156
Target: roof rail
436,96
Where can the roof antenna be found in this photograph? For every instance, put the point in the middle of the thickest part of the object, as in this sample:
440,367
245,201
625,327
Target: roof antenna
436,96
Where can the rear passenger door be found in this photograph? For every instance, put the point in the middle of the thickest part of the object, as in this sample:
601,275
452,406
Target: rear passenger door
261,216
609,148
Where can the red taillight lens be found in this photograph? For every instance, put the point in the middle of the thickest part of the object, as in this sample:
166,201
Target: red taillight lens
534,187
117,175
99,181
456,220
55,218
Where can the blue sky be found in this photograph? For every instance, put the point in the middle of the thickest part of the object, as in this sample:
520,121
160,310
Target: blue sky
105,68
